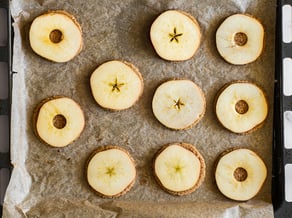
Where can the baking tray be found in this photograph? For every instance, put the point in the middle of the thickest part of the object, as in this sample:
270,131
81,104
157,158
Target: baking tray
5,57
281,156
282,103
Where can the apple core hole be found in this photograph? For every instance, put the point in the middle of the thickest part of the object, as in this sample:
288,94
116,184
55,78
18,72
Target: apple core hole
241,107
240,174
59,121
56,36
240,39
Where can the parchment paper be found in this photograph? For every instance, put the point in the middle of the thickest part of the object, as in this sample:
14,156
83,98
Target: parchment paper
49,182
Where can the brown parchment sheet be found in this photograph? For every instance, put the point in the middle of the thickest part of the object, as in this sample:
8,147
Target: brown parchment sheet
50,182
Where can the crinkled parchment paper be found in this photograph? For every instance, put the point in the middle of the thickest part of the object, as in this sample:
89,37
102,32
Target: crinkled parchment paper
50,182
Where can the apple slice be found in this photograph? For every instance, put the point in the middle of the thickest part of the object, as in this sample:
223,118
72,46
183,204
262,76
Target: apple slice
241,107
175,35
56,36
110,171
240,39
240,174
179,168
116,85
58,121
179,104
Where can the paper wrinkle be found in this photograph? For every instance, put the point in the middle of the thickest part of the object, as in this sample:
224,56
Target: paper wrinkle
242,4
50,182
19,141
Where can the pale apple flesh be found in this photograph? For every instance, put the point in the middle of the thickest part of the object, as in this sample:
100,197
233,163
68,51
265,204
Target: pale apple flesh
240,39
59,121
56,36
178,104
179,168
241,107
116,85
240,174
111,171
175,35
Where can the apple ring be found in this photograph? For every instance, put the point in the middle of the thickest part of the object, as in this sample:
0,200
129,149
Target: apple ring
58,121
241,107
56,36
240,174
239,39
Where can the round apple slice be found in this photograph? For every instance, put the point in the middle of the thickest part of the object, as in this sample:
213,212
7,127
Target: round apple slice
240,174
56,36
179,168
240,39
175,35
116,85
241,107
58,121
110,171
179,104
